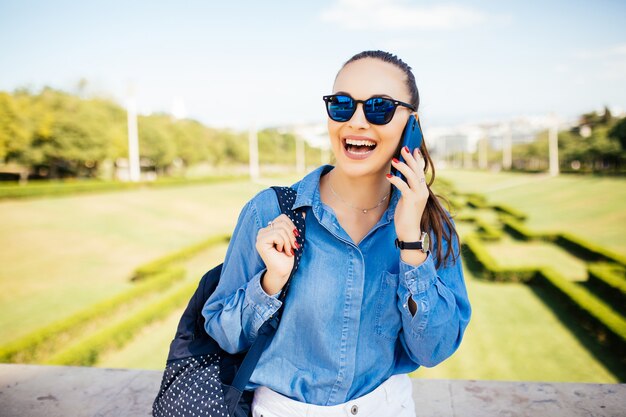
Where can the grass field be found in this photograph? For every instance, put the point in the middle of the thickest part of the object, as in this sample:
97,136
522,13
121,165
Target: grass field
587,206
60,255
63,254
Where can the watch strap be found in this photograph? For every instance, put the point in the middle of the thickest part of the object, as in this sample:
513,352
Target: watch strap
409,245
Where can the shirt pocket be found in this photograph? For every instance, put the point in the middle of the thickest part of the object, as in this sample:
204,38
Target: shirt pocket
388,320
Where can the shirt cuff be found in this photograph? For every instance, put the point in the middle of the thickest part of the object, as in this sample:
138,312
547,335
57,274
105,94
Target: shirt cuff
418,279
264,305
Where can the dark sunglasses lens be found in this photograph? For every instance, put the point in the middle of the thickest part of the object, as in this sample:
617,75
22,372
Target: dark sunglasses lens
340,108
378,110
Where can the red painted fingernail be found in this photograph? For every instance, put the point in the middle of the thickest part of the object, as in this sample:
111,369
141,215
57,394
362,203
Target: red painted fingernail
297,245
295,232
292,253
406,149
389,175
395,160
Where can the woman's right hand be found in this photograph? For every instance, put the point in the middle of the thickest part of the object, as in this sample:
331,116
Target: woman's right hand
276,244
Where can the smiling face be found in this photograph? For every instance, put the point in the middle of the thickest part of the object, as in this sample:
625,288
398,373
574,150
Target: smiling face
360,147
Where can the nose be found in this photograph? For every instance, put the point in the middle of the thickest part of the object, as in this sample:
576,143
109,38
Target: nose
358,120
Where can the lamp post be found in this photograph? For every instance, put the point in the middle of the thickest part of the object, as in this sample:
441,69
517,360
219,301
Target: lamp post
507,148
553,145
133,138
253,144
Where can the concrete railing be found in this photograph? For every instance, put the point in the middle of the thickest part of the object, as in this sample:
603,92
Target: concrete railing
51,391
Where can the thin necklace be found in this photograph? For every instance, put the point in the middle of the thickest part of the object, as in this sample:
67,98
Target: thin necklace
364,211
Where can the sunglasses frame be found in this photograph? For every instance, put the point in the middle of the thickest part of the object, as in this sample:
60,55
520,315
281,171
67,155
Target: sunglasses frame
395,102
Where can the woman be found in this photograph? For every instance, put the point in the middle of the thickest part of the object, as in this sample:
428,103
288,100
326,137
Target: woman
360,313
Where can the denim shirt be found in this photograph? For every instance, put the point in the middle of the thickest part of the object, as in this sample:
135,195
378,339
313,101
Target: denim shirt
346,326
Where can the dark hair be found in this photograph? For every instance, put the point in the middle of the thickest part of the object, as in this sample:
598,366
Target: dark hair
435,219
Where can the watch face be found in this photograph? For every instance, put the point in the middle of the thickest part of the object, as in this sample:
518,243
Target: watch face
426,242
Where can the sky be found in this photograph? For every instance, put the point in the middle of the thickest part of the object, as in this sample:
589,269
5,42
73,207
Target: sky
268,63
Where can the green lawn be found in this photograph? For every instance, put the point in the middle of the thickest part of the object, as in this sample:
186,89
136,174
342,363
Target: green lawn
60,255
157,336
514,253
593,208
514,336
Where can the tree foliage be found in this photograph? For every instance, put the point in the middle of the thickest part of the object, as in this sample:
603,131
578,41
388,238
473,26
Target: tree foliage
594,144
57,134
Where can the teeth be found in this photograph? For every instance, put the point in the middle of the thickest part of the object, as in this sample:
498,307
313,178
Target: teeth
355,142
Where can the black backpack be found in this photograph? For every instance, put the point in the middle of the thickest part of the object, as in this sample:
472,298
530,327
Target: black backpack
200,377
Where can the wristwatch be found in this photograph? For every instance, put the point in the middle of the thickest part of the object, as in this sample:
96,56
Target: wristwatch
423,244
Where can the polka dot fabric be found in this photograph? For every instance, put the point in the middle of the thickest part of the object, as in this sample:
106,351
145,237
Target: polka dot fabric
199,384
191,387
286,199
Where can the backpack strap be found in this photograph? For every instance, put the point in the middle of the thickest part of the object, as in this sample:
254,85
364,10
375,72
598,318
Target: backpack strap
286,197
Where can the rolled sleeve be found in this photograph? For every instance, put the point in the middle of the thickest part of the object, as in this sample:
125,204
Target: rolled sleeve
443,308
417,279
263,304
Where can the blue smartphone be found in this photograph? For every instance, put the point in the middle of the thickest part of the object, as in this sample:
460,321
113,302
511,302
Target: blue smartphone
411,138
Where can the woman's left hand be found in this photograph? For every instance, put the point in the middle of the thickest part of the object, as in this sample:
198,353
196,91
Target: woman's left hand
414,195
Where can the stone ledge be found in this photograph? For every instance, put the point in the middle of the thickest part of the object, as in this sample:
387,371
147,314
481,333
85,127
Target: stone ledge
51,391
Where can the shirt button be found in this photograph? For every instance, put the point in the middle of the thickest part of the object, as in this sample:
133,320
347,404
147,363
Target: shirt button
354,410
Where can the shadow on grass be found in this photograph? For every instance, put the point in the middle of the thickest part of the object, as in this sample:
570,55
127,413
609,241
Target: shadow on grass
614,361
609,356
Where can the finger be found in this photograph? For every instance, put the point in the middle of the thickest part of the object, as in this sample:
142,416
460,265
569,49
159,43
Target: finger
285,222
409,174
419,157
288,232
282,236
400,185
416,163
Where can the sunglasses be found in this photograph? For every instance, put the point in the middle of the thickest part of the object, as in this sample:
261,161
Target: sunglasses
378,110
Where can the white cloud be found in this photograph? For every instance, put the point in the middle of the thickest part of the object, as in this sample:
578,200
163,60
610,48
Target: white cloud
398,14
613,51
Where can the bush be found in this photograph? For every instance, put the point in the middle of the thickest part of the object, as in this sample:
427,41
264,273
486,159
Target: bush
41,343
503,208
87,351
476,201
588,250
519,230
69,187
609,281
154,267
608,325
487,231
478,258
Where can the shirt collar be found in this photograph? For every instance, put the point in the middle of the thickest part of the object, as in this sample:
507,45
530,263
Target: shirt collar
308,186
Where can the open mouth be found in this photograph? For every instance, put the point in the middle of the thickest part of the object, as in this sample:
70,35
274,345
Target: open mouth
359,146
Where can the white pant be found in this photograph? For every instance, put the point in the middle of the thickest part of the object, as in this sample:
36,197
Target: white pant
393,398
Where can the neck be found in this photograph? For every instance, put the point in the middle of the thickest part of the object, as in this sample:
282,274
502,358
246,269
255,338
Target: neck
364,192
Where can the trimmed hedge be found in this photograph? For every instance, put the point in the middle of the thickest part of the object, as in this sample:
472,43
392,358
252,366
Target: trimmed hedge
518,230
506,209
487,231
609,281
608,325
479,259
42,188
588,250
154,267
42,342
88,350
476,201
